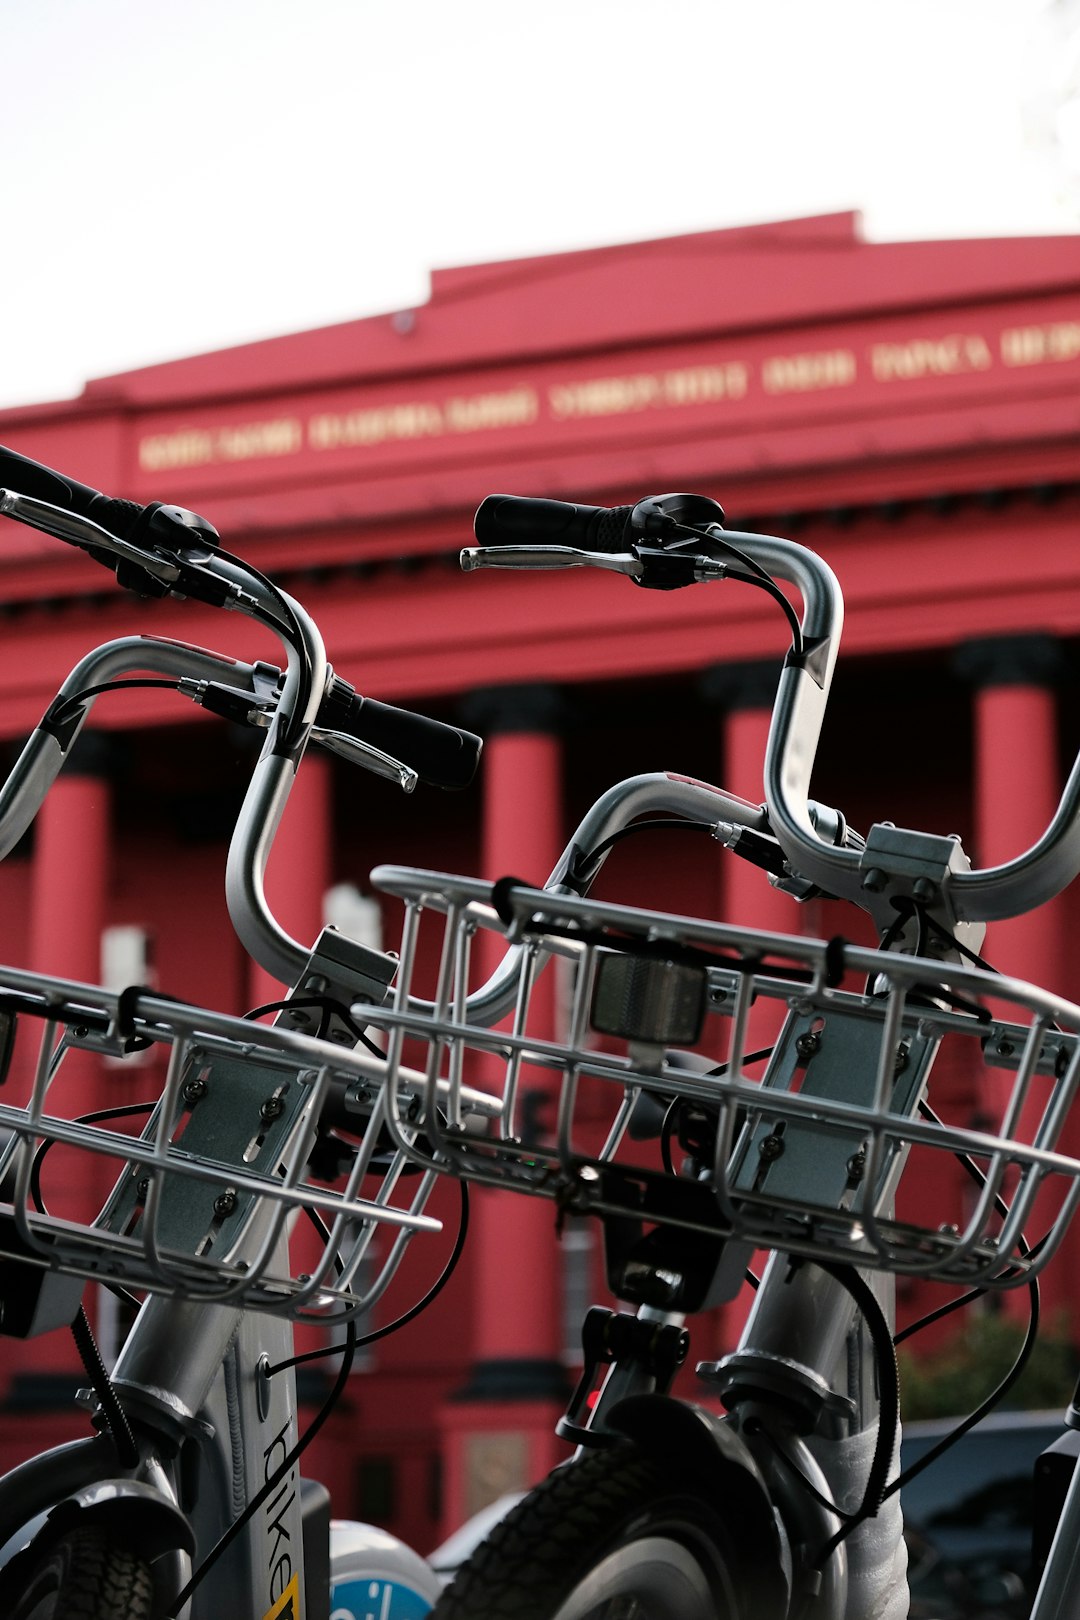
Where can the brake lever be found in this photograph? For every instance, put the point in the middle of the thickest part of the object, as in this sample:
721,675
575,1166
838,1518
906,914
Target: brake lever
549,557
363,754
651,563
86,534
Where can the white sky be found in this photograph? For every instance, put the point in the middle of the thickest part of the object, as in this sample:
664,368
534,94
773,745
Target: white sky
181,176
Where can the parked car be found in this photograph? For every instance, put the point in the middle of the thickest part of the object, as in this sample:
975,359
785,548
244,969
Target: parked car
969,1517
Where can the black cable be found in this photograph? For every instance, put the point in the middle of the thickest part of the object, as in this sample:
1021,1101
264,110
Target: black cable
666,1128
968,1164
65,711
777,594
986,1406
755,1426
94,1118
288,627
755,575
327,1005
407,1316
266,1490
972,956
668,1123
1024,1353
349,1346
112,1411
889,1403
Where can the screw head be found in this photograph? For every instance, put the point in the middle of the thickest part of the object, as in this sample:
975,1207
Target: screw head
225,1203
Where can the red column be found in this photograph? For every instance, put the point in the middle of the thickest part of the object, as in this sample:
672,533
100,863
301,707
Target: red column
498,1431
68,889
1017,784
299,869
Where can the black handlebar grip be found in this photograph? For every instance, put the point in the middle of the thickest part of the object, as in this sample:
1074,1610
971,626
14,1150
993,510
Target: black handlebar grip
31,478
514,520
442,755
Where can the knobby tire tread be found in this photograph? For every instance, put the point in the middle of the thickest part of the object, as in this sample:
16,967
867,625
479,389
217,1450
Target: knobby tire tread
533,1559
91,1576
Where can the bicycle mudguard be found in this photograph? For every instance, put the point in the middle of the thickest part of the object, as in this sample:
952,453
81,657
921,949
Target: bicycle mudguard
141,1515
707,1448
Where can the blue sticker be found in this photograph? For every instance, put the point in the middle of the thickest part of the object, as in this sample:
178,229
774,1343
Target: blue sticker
376,1600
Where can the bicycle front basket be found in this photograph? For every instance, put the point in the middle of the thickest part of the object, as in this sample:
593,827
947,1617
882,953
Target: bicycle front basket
763,1088
195,1191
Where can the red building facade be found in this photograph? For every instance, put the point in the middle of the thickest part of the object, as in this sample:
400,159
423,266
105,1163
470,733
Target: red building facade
911,411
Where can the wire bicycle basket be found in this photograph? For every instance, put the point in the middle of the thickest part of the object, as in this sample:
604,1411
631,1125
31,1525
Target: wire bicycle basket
200,1200
653,1106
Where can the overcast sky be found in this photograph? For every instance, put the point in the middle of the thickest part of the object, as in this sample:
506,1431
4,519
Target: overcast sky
181,177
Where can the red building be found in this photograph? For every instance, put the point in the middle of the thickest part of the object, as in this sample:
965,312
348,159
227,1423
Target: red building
911,411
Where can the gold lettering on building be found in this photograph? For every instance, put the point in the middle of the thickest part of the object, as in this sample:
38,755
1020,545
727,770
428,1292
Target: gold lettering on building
697,385
194,447
190,447
604,396
930,357
803,373
244,443
1034,345
377,425
622,396
510,407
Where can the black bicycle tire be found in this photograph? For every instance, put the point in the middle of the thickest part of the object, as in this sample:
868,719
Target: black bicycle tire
87,1574
601,1511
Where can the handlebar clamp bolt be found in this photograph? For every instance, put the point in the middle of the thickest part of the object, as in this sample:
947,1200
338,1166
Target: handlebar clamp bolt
874,880
924,890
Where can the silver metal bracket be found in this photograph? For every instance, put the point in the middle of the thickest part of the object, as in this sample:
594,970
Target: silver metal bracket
906,870
343,971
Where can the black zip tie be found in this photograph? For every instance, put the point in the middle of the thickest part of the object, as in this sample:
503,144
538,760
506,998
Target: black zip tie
501,890
835,960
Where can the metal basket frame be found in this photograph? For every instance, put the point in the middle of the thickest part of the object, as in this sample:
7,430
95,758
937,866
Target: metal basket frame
913,1004
162,1183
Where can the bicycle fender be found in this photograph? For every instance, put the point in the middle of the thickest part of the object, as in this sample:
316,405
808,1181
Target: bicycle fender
708,1449
141,1515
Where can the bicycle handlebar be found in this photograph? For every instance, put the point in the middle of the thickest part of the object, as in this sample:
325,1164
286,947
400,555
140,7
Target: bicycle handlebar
651,543
158,550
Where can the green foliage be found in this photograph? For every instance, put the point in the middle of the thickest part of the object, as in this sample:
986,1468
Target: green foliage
952,1379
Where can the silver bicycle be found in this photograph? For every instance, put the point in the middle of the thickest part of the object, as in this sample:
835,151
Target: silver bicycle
720,1091
188,1500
